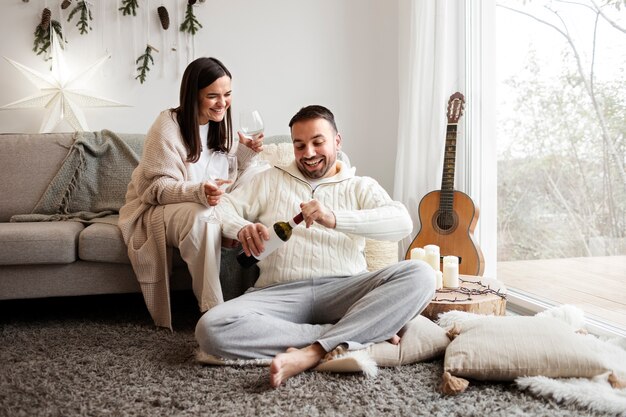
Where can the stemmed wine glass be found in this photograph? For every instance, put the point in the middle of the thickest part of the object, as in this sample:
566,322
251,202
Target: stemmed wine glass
221,170
251,123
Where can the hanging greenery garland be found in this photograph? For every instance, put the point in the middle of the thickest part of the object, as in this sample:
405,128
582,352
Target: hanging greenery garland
42,32
144,61
129,7
190,24
85,16
81,8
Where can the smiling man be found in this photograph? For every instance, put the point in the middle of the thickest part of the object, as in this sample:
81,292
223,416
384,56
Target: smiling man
314,293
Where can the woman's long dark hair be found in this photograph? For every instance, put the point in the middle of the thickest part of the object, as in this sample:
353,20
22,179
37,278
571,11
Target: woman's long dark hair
199,74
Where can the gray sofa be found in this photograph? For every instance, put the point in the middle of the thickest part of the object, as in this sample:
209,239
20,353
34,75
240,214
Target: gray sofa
69,258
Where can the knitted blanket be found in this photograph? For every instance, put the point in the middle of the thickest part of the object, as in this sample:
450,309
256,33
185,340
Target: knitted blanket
91,183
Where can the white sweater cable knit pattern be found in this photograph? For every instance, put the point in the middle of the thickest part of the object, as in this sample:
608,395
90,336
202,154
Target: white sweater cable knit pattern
362,209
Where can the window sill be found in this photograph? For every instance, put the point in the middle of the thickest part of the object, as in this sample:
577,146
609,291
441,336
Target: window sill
594,284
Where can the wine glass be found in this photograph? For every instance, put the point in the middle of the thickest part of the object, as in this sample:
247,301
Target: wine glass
221,170
251,123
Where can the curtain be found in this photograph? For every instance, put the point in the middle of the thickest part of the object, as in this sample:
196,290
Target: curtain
429,72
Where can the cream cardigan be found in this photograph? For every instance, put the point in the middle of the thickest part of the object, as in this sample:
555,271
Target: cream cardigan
362,209
162,177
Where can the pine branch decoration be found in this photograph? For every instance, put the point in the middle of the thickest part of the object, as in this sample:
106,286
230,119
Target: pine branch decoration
129,7
85,17
190,24
144,61
164,17
42,32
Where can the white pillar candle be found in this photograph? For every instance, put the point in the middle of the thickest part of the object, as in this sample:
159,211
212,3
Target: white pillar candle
418,254
438,280
432,256
450,271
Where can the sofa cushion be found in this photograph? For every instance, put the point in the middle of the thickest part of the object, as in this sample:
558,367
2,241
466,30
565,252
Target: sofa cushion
29,162
39,243
101,242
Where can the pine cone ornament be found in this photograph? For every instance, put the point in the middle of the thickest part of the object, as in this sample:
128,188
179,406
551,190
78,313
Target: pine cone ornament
164,17
191,2
45,19
66,4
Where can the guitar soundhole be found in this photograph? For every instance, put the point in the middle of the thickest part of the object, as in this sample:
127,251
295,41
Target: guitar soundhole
444,222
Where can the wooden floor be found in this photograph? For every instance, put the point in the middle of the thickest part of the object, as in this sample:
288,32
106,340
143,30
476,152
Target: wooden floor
597,285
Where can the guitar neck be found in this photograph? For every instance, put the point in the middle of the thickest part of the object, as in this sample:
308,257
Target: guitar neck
449,162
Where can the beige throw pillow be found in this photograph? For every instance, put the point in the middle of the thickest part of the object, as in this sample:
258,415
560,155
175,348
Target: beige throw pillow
421,340
504,348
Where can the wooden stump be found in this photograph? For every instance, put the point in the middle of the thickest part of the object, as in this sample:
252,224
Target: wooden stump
448,299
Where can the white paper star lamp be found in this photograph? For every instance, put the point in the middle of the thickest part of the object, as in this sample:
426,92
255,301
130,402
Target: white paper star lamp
59,94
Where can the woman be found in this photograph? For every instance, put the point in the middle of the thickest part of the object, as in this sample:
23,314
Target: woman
167,197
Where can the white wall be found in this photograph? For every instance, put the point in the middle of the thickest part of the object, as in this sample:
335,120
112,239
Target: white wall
283,54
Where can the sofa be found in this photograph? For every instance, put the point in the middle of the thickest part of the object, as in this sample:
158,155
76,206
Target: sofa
72,258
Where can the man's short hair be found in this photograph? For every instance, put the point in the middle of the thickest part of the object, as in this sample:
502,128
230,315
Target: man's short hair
314,112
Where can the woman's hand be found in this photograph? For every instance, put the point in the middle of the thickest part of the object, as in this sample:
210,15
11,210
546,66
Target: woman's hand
256,144
252,238
213,193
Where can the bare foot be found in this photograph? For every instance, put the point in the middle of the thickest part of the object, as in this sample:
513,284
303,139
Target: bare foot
293,362
394,340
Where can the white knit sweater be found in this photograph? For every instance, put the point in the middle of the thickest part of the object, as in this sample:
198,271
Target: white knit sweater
162,177
362,209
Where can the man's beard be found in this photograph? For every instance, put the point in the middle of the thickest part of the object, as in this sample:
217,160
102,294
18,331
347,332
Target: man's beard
317,174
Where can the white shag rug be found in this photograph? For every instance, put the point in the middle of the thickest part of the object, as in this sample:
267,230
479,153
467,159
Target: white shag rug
594,394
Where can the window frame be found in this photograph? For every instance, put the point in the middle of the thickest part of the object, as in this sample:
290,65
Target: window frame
480,152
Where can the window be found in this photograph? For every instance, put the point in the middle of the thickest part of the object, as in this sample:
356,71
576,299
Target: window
561,151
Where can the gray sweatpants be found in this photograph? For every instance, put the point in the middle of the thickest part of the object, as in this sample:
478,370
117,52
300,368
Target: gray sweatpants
358,310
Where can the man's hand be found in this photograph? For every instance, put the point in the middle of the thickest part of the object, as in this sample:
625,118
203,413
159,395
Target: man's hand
256,143
252,238
314,211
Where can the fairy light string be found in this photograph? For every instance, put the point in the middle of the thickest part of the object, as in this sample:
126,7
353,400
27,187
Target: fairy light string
464,293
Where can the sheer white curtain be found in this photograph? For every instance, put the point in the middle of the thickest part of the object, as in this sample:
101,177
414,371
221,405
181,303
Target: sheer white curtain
429,72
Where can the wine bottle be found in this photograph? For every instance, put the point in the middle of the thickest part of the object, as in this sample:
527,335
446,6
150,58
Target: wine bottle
279,234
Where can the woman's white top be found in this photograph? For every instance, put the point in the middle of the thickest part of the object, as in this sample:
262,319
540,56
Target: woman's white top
198,168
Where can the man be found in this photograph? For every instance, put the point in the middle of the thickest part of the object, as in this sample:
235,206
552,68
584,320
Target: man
314,293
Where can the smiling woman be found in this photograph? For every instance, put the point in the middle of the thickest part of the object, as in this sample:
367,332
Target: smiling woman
168,196
214,100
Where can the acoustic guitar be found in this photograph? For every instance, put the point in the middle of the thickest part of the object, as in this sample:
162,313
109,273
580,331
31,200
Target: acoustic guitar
448,217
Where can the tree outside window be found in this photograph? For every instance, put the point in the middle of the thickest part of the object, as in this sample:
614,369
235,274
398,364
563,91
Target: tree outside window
561,129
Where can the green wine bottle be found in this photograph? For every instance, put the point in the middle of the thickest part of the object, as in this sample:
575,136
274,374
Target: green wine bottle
281,234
